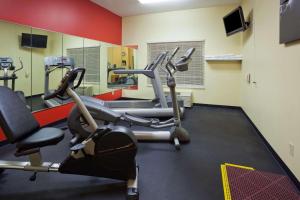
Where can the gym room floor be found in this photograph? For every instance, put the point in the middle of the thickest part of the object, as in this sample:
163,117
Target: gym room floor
218,135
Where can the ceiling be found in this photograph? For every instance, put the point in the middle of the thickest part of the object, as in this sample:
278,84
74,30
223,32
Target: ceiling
133,7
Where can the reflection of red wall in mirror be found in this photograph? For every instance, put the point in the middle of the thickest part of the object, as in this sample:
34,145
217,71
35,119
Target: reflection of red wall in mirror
76,17
55,114
132,87
133,46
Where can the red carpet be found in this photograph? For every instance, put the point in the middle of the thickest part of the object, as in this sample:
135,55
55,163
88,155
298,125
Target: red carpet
245,184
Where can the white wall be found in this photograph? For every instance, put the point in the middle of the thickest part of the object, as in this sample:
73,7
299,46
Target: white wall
273,104
222,80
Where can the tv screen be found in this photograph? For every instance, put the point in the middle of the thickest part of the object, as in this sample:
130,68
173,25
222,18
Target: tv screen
289,20
33,40
234,22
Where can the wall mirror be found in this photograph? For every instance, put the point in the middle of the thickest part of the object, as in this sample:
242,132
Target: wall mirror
45,74
15,60
73,52
92,57
33,62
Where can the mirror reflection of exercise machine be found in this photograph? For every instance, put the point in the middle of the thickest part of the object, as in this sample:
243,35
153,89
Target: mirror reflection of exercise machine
110,69
121,58
117,81
7,64
51,64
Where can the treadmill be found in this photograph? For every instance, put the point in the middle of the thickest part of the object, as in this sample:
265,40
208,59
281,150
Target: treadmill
51,64
158,107
7,64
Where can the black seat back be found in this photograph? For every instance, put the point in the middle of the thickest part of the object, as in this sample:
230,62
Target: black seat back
16,119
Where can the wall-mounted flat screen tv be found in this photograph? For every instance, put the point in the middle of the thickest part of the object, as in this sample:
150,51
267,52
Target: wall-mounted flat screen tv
235,22
33,40
289,20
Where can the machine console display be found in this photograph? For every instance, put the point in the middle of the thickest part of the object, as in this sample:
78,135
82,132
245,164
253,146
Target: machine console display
6,62
59,61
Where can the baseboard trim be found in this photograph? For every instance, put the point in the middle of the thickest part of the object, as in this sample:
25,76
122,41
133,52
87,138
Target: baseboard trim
130,98
274,154
217,106
194,104
36,95
2,143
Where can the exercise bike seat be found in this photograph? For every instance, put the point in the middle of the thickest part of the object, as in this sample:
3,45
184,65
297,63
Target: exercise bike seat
20,126
42,137
136,120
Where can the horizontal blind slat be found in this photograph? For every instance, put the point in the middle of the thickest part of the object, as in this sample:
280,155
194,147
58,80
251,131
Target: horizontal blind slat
195,75
89,58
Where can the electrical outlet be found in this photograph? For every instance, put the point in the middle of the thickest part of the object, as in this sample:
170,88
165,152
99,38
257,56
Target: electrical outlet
248,78
26,74
253,80
292,149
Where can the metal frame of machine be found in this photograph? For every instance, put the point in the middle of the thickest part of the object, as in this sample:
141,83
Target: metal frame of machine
7,64
158,107
106,115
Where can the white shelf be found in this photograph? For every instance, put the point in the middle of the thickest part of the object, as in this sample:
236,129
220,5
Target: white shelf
229,57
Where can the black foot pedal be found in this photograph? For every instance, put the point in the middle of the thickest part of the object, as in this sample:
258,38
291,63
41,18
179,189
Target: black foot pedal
74,141
33,177
77,147
132,194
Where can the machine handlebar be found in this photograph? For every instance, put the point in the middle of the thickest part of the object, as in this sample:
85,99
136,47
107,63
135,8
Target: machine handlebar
67,82
6,64
173,53
22,66
169,59
181,64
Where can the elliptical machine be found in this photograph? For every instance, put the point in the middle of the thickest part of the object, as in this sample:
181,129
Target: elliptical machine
177,134
7,64
109,151
53,63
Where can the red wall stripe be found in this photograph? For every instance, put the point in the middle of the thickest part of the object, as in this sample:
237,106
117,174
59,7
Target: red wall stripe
76,17
117,94
133,46
51,115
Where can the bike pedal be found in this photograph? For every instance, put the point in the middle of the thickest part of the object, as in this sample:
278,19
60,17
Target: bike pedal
33,177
